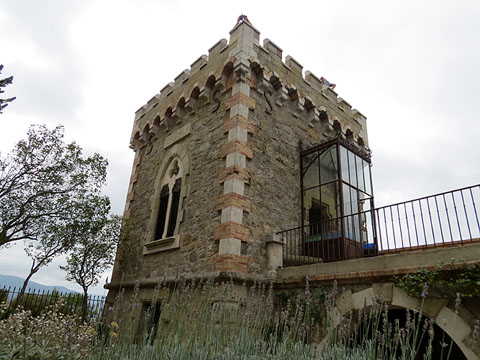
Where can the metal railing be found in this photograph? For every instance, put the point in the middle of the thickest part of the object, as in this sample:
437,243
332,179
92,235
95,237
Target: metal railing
36,301
445,219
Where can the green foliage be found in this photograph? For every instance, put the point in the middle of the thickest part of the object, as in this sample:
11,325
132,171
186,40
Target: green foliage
36,303
446,280
3,83
47,189
314,303
208,320
93,252
50,335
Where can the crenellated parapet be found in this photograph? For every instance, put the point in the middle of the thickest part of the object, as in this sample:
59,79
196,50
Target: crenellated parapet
309,98
177,100
282,83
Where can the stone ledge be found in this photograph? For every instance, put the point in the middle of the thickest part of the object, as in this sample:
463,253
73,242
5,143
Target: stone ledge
205,276
382,266
161,245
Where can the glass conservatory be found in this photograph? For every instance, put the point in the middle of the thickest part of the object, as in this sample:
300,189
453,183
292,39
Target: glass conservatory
337,202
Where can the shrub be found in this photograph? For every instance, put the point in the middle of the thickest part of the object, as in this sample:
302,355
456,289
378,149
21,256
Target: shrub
50,335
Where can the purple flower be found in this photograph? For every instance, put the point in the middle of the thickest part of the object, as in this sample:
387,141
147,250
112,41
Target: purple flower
425,290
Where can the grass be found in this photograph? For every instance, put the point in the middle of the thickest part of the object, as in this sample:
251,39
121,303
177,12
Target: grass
208,320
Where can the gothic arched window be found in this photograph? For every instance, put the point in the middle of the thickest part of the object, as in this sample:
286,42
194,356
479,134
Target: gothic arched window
169,201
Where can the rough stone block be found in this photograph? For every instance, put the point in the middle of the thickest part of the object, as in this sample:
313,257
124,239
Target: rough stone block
240,98
238,121
217,48
167,89
231,230
272,48
198,64
383,291
236,146
452,324
313,80
230,246
231,262
237,133
234,200
294,65
233,214
274,251
402,299
431,306
344,302
363,298
130,195
235,172
182,77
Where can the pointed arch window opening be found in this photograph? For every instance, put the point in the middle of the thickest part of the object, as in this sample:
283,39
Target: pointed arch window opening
168,209
337,201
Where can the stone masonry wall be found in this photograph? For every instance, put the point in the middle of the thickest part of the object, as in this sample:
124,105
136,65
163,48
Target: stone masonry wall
199,216
240,118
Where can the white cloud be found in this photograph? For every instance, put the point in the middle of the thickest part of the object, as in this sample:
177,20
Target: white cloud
411,67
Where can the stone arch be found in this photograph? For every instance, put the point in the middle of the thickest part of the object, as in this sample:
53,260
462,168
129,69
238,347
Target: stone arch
323,115
168,112
135,143
292,92
227,70
275,81
360,141
257,70
337,126
455,326
181,103
177,153
308,104
195,92
349,134
210,82
157,120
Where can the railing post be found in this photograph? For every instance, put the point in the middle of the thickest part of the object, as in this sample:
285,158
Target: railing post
274,254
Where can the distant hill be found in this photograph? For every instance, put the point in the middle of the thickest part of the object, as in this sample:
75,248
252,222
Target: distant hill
7,281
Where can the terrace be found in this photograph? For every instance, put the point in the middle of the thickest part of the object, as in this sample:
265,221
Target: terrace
340,221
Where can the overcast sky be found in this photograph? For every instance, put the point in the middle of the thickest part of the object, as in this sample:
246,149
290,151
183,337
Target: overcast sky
411,67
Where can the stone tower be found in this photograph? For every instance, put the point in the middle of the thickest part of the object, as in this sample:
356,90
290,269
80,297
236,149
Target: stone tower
217,169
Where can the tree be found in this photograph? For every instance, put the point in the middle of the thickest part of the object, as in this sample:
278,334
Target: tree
93,253
45,185
4,83
62,237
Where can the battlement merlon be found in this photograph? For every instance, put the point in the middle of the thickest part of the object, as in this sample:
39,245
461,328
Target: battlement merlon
244,49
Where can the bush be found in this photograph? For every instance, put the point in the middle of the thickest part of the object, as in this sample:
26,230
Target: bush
50,335
205,320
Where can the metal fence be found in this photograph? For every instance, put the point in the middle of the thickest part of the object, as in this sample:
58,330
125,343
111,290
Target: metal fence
37,301
445,219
